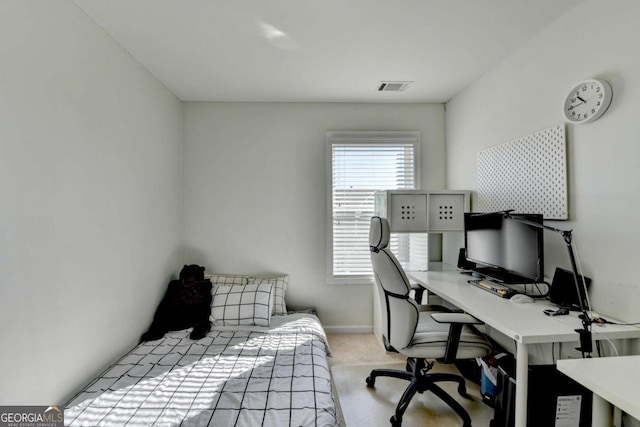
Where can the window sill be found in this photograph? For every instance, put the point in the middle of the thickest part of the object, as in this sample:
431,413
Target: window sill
341,281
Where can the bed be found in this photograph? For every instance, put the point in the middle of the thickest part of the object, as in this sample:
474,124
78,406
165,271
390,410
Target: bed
241,375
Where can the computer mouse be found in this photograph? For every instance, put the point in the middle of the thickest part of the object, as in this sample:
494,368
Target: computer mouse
521,299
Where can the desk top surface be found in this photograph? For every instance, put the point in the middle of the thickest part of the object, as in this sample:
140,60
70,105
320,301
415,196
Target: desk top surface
525,323
615,379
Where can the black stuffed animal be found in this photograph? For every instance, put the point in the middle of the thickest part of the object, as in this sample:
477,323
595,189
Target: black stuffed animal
186,303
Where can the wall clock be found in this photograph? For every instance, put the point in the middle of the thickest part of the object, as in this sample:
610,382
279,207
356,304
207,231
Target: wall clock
587,101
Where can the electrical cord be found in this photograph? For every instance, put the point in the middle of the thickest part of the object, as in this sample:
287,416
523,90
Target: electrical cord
538,294
613,346
541,295
599,320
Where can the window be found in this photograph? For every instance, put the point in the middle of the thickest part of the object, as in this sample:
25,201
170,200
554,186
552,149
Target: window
362,163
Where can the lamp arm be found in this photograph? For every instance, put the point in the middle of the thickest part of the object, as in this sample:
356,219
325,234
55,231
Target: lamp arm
566,234
585,333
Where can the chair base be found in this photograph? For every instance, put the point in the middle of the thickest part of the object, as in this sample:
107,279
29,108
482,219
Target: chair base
420,380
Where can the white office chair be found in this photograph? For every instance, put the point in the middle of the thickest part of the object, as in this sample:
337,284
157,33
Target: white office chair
420,335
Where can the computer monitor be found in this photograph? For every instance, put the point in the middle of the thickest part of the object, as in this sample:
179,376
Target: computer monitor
504,248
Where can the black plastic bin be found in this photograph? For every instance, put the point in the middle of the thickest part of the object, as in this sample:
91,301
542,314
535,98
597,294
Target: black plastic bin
546,386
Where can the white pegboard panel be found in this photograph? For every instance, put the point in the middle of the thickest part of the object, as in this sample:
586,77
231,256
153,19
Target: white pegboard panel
528,175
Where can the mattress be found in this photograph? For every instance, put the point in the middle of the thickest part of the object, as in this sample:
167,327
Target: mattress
235,376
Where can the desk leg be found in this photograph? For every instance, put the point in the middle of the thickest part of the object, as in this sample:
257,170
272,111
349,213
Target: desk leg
601,412
522,384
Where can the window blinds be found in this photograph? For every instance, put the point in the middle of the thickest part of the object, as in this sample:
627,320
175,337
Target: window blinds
358,171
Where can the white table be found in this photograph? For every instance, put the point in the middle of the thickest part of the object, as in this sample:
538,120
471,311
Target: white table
612,379
526,324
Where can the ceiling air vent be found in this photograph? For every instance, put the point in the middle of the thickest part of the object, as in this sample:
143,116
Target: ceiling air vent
392,86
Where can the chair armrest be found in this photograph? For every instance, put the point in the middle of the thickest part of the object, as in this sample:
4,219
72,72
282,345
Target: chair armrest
434,308
419,291
456,321
455,318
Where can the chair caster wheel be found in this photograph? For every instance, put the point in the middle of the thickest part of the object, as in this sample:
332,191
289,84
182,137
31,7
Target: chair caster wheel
370,382
395,422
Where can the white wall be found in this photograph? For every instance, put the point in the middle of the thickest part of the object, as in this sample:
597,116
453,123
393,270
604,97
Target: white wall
91,173
525,94
256,191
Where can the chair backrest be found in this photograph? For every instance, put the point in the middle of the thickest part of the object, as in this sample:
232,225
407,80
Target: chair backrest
399,311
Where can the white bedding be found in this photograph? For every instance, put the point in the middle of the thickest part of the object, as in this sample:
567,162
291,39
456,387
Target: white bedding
235,376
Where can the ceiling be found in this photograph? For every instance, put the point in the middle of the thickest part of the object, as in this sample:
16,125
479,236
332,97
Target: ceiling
320,50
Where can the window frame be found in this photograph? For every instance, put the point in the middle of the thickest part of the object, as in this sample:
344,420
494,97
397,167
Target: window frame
354,138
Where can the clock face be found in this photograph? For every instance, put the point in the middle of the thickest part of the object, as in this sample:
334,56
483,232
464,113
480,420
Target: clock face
587,101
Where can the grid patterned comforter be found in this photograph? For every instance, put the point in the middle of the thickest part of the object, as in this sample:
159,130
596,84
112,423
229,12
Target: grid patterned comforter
276,376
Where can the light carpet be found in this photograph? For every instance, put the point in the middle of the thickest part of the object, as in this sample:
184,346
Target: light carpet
373,407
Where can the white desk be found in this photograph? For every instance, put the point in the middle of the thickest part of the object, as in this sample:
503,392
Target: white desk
612,379
524,323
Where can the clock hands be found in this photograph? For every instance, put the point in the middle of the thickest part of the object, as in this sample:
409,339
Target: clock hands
582,101
575,105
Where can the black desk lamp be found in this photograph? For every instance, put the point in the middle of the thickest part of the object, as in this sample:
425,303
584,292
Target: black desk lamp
586,345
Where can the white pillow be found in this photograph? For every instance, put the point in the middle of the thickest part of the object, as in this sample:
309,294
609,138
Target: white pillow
280,284
242,305
228,279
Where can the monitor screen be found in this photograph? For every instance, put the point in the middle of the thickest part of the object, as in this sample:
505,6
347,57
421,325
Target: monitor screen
504,248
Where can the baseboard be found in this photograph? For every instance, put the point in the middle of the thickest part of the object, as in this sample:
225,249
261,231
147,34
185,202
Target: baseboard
348,329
